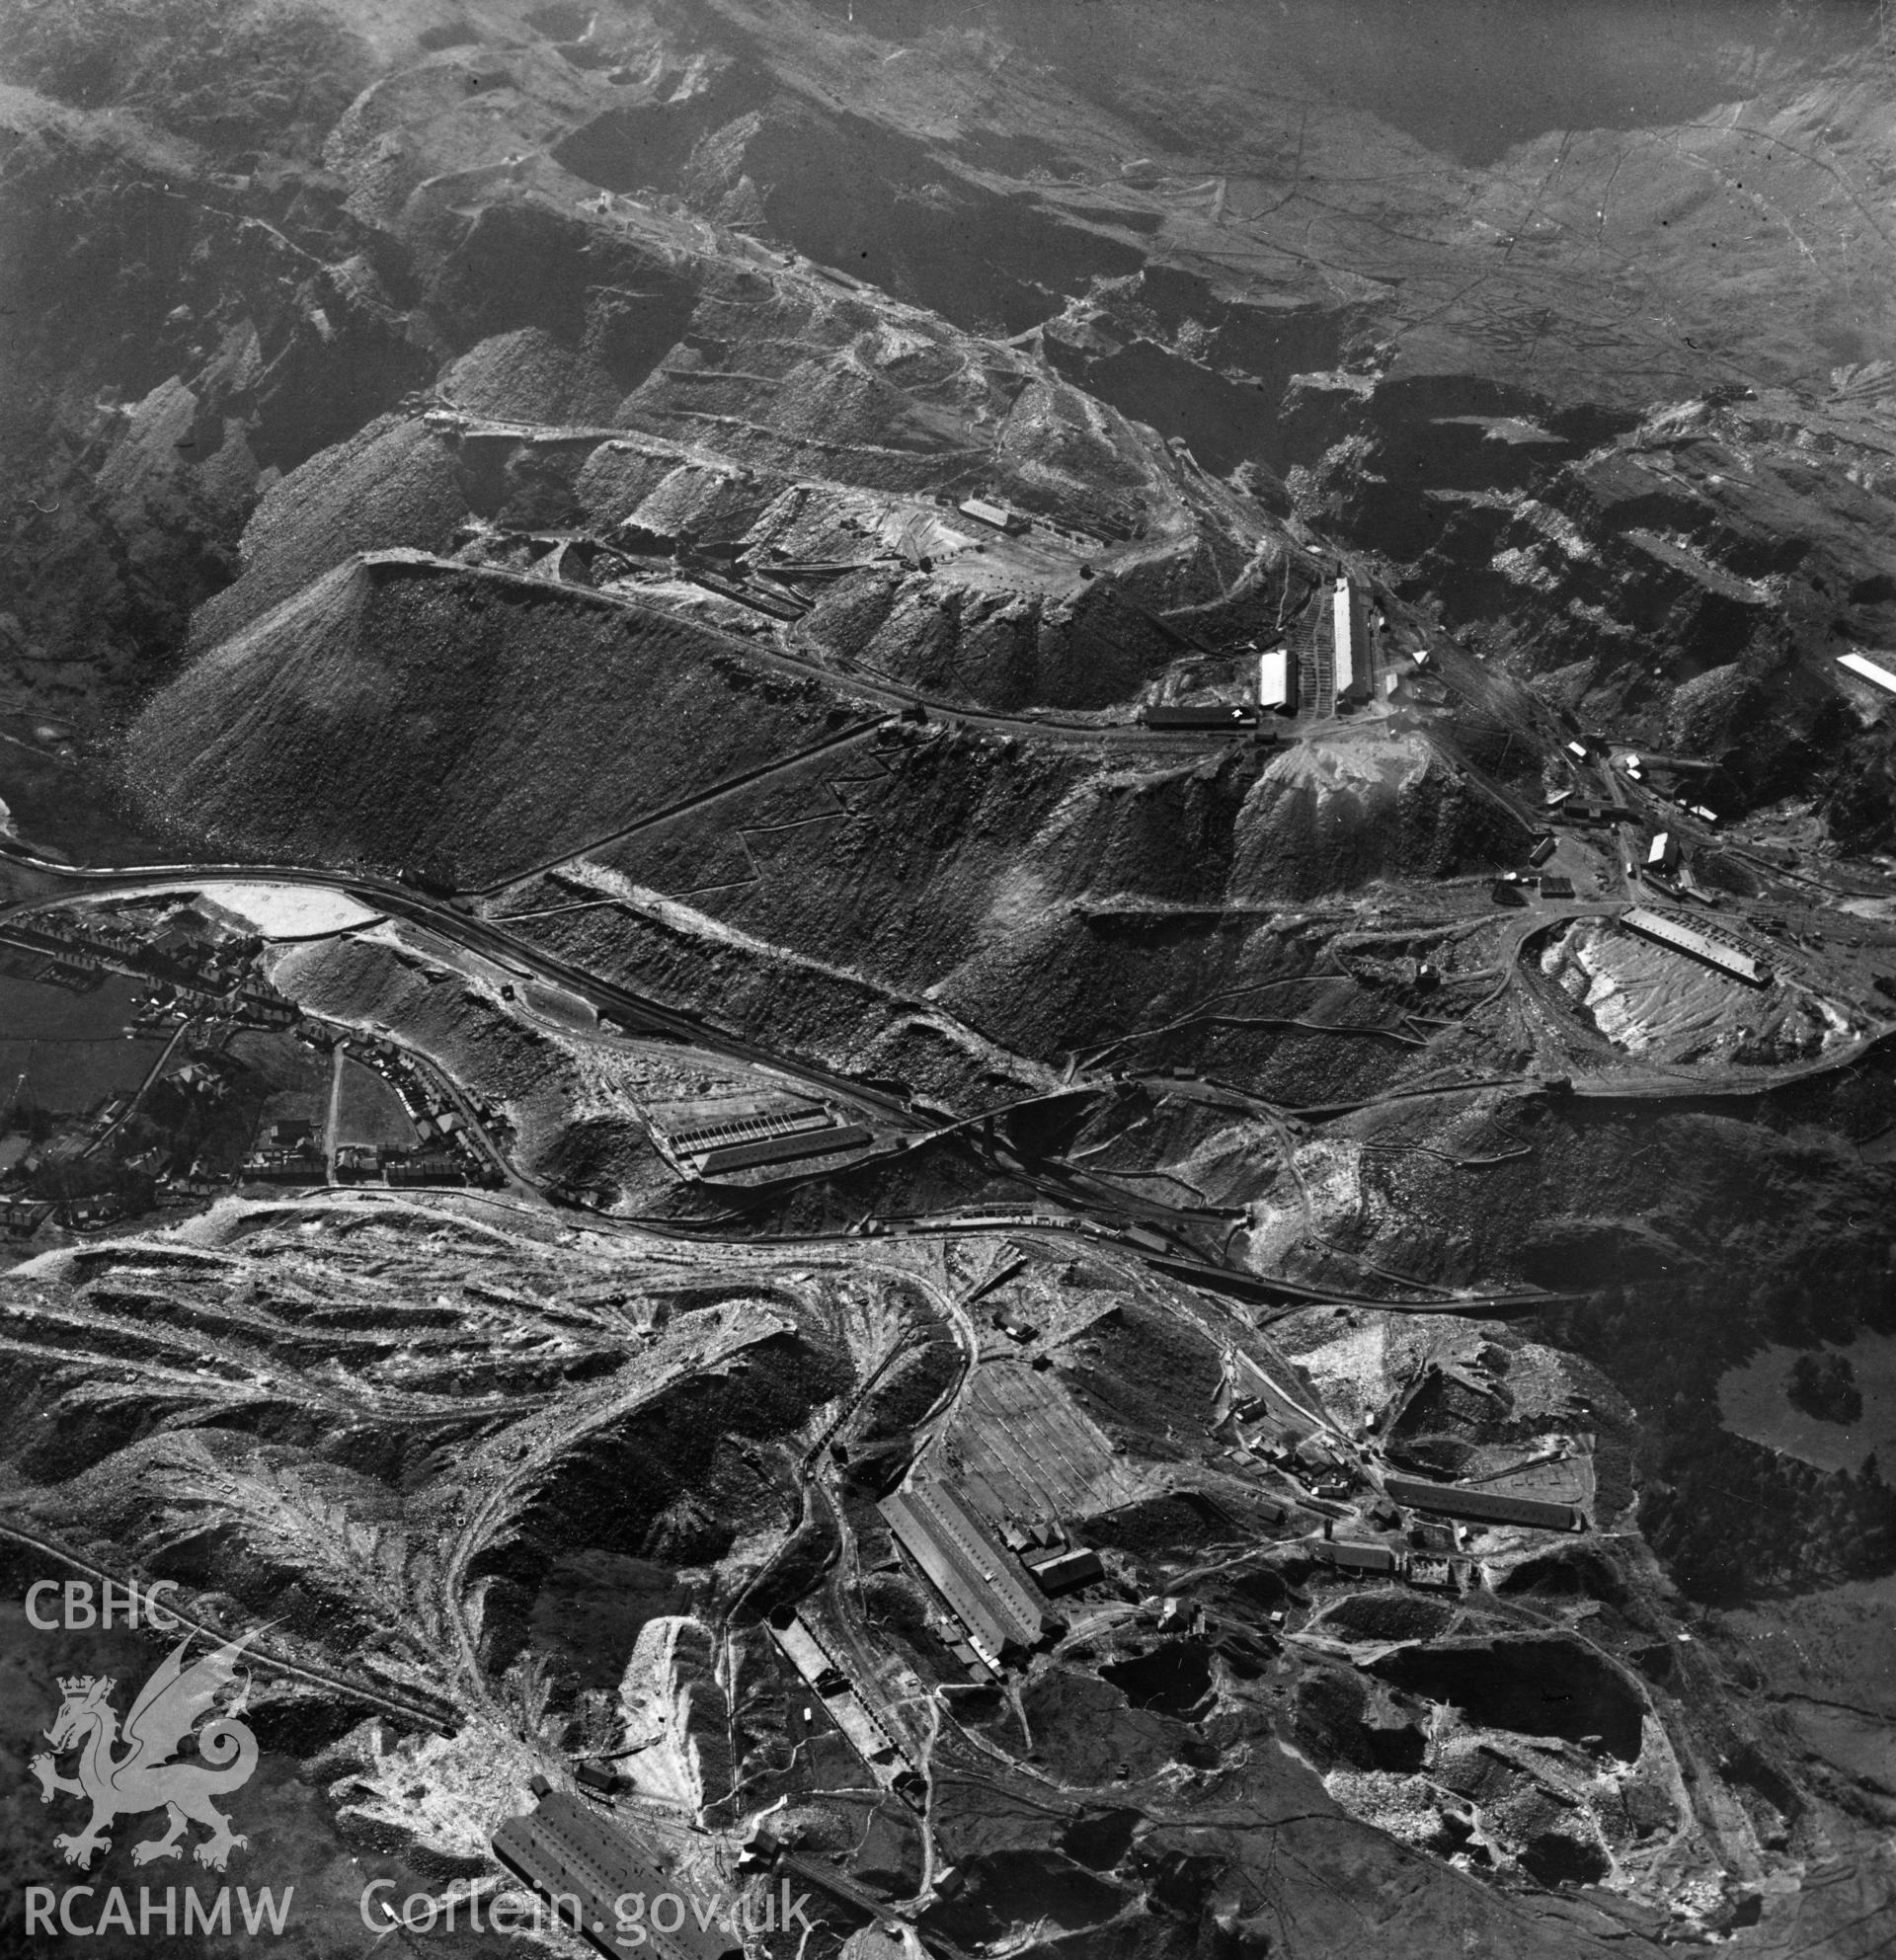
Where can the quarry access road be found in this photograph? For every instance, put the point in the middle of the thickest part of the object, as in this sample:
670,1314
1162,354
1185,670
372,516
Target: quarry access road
850,681
643,1015
1654,1083
844,737
398,901
444,1718
458,926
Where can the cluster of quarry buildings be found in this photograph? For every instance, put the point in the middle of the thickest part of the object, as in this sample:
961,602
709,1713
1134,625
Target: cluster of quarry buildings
1337,673
1658,862
1338,669
1009,1580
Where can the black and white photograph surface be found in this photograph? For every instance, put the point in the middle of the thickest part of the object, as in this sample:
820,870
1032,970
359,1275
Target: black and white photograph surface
948,979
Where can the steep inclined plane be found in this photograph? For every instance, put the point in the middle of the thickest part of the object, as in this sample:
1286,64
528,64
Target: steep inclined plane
1010,955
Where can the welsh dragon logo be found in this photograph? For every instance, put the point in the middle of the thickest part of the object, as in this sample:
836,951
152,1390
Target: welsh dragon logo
143,1776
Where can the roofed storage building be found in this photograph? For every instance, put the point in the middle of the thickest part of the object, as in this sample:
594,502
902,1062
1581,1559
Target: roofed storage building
1680,937
784,1149
1277,681
1205,715
1352,667
1062,1569
1351,1555
985,510
967,1567
853,1716
583,1866
1871,670
749,1130
1485,1507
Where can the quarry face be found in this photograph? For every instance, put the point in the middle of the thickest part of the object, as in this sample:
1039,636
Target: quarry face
947,958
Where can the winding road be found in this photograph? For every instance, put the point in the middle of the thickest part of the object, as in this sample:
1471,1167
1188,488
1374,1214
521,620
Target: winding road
1096,1206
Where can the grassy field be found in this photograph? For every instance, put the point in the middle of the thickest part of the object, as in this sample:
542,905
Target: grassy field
1754,1403
370,1111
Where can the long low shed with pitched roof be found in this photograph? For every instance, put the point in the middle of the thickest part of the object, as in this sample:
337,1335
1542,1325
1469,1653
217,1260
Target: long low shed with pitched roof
584,1866
1485,1507
1682,938
853,1716
785,1149
966,1566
